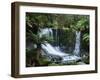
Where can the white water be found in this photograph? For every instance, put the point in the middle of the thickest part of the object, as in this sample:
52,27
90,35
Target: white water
47,32
77,43
49,49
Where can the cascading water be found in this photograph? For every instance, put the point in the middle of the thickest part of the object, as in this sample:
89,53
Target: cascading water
55,51
46,31
77,43
56,37
49,49
57,40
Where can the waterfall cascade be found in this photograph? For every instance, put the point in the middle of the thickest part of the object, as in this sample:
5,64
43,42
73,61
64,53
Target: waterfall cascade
49,49
55,51
77,43
47,32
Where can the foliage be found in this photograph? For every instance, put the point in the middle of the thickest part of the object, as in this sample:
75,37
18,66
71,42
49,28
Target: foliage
57,20
68,22
54,64
81,23
44,61
86,37
36,39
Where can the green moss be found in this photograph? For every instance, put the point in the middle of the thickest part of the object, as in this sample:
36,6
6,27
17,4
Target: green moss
44,61
54,64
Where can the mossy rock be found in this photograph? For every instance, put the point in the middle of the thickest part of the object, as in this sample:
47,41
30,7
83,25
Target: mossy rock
54,64
44,61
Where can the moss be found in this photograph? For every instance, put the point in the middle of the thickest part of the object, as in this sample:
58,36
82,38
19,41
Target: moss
54,64
44,61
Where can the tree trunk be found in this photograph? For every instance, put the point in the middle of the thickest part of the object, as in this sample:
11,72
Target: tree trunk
38,54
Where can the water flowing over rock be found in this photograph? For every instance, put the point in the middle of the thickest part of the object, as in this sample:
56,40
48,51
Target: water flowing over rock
77,43
50,50
54,52
46,31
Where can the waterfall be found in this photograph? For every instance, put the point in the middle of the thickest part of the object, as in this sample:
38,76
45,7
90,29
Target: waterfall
56,37
47,32
50,32
52,51
77,43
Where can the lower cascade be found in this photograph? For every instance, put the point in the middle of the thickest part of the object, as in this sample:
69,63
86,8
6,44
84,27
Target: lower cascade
50,50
